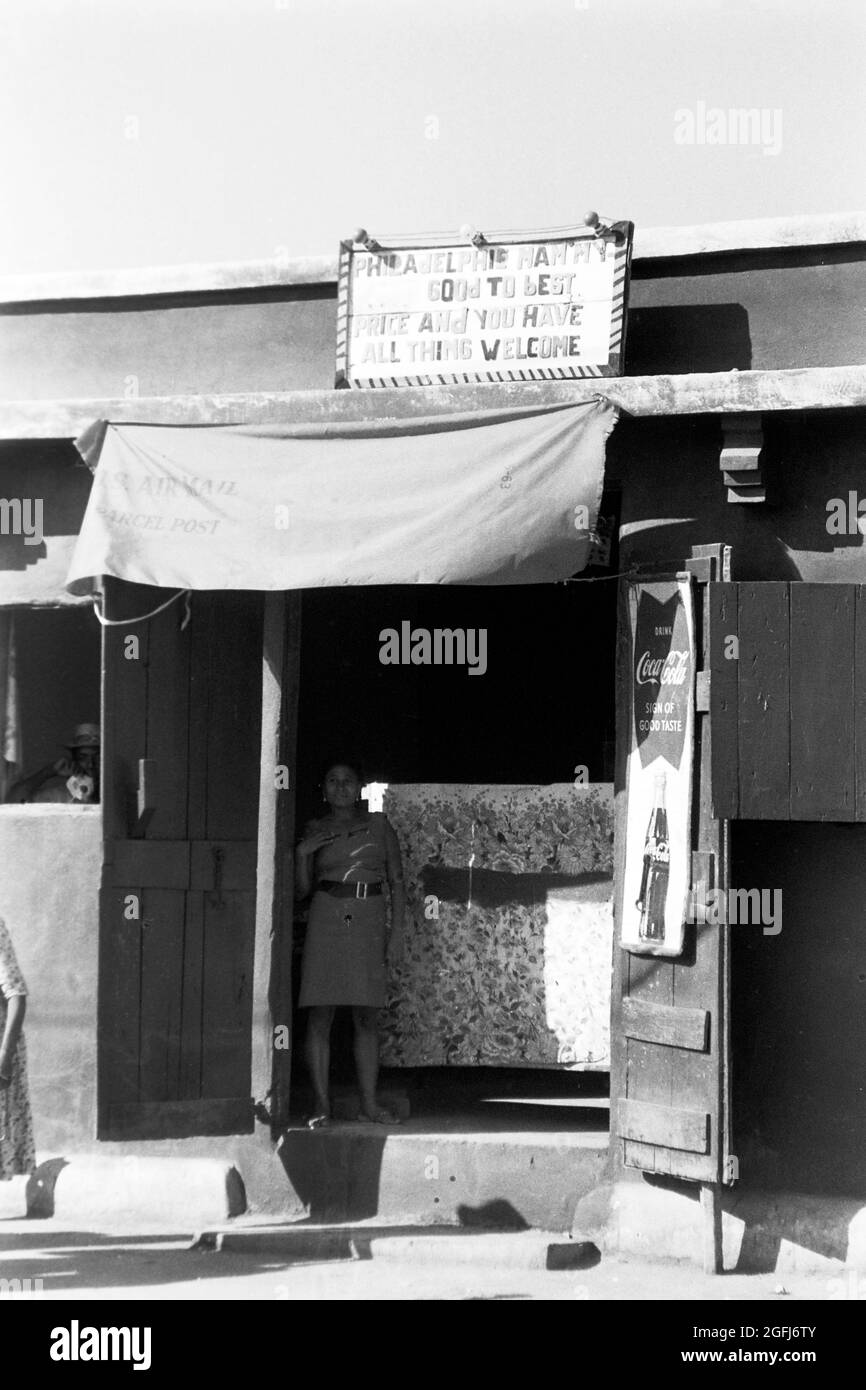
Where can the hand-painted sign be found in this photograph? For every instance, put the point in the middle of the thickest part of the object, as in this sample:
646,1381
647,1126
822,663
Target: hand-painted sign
528,310
657,872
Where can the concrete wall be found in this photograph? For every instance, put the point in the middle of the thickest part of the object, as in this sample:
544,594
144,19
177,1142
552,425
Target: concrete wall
795,308
50,867
764,310
50,864
673,496
270,340
51,856
748,309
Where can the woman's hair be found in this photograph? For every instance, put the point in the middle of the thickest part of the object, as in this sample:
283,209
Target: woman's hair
350,763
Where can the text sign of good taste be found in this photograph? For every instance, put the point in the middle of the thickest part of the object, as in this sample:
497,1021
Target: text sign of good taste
512,311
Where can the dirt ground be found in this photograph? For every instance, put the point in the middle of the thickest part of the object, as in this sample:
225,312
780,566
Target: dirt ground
67,1264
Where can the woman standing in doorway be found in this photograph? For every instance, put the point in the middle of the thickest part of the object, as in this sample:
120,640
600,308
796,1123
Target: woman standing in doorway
17,1154
345,858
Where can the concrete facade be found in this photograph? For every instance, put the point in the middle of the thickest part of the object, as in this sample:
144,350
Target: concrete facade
722,310
52,859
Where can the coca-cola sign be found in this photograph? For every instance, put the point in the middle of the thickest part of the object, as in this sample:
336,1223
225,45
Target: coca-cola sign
656,875
663,674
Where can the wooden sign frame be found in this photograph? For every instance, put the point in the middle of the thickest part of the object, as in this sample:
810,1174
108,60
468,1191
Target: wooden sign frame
614,240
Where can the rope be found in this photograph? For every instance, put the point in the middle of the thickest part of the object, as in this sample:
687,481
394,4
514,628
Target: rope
410,237
125,622
600,578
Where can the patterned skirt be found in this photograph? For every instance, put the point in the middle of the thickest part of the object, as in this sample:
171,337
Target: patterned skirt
17,1154
344,953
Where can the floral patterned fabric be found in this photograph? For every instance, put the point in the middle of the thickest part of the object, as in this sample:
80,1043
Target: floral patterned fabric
509,927
17,1154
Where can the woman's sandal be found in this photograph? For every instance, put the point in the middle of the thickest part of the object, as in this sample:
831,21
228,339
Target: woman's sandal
319,1122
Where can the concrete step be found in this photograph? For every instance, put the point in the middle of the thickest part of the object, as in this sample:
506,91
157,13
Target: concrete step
762,1232
427,1173
346,1102
300,1243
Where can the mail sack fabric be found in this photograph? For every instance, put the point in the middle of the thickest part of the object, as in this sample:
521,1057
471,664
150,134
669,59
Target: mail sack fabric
474,498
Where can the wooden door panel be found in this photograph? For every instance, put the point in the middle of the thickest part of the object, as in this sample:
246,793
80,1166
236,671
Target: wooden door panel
166,730
191,1028
176,982
785,711
137,864
125,696
119,999
161,977
226,864
724,699
226,992
234,714
180,1119
822,701
664,1126
198,864
860,699
201,639
763,696
660,1023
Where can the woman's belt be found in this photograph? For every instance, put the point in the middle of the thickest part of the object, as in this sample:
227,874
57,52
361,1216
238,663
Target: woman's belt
349,890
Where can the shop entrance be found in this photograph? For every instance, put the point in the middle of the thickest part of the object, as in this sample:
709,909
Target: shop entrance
536,720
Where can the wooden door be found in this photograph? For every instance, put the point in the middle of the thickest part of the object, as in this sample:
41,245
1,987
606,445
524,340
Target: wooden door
788,700
181,752
670,1017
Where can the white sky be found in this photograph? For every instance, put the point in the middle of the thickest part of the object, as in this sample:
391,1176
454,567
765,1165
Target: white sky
164,131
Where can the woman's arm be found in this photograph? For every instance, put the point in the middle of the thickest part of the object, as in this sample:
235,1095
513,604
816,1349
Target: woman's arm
304,864
313,840
15,1011
394,869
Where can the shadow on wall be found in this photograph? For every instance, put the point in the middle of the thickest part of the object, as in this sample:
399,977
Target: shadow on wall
690,338
674,495
45,488
335,1178
815,470
799,1009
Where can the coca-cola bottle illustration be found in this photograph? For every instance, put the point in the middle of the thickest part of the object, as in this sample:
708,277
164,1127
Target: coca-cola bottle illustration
656,869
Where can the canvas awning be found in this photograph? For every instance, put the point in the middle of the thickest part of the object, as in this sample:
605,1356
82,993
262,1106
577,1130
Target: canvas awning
480,498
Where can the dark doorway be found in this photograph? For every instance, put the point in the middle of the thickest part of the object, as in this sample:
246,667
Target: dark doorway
543,708
799,1022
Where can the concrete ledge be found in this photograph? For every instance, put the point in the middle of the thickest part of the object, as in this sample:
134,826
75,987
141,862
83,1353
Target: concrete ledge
412,1176
763,1232
693,393
178,1192
825,229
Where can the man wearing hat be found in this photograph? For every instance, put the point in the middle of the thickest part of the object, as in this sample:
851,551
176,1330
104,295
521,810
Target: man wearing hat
73,780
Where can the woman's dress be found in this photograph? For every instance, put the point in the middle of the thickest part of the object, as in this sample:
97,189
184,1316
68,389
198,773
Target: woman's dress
344,951
17,1154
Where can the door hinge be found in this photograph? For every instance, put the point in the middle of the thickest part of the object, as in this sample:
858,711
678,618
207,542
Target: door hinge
730,1169
702,691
